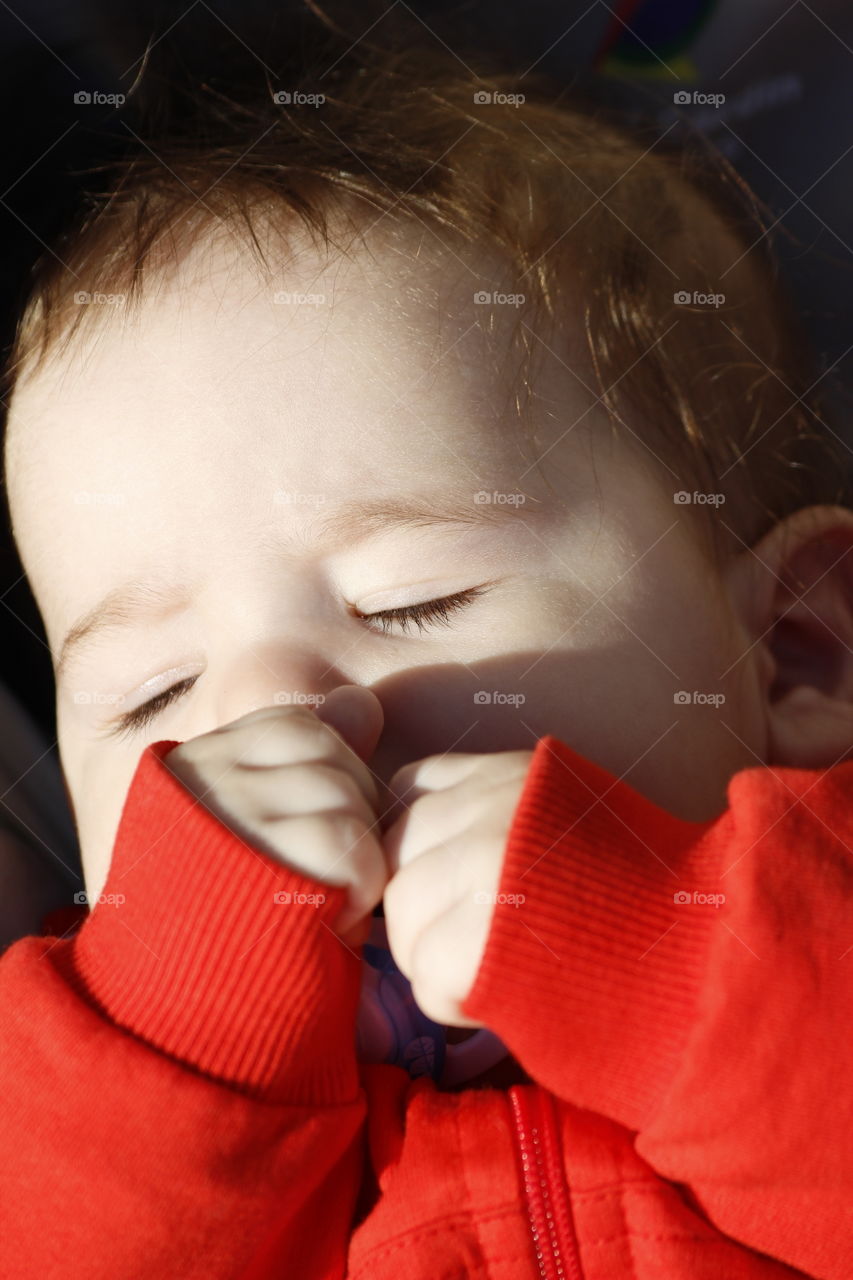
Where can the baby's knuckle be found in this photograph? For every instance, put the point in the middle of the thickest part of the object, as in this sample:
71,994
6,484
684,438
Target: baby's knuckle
298,733
329,835
339,788
304,716
307,842
195,751
364,857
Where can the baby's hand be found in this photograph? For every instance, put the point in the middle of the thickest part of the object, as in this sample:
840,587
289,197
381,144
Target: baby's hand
288,784
445,855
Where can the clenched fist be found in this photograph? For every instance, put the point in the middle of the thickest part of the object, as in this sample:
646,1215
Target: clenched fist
445,853
301,789
291,785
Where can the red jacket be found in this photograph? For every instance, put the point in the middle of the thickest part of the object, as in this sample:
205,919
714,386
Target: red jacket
180,1095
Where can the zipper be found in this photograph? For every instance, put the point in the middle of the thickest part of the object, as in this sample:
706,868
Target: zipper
546,1195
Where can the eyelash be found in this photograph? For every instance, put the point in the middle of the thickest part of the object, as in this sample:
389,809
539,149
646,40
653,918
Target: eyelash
137,719
428,611
424,613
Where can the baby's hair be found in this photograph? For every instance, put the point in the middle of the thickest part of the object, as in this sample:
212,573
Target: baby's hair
601,229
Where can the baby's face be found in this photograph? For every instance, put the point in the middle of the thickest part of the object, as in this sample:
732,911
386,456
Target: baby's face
202,457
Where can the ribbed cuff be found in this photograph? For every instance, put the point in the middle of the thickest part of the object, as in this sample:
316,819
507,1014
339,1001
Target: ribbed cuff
216,954
593,966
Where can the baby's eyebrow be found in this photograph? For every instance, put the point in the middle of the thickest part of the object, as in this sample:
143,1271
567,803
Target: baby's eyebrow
120,607
125,604
364,516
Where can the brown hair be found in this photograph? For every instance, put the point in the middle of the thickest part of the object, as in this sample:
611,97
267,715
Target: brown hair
600,229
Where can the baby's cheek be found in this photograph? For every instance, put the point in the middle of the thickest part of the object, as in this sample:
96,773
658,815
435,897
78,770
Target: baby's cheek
98,780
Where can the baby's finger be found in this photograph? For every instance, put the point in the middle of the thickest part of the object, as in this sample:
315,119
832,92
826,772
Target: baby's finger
283,735
433,819
432,773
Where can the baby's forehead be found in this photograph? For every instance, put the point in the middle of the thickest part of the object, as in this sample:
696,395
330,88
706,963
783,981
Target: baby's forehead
385,305
327,328
230,392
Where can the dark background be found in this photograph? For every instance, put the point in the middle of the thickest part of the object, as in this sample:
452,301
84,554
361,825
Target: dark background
787,124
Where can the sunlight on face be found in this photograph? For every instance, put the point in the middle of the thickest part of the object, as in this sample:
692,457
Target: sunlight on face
212,497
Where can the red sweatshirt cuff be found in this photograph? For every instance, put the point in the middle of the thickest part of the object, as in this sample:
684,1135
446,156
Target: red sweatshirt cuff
216,954
593,965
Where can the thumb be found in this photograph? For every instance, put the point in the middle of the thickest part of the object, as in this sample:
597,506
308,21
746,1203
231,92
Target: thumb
356,714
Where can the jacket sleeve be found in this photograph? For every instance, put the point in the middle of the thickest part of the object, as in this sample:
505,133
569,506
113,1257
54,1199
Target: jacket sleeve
692,981
179,1088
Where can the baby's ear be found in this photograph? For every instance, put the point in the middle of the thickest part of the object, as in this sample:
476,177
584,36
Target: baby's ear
794,590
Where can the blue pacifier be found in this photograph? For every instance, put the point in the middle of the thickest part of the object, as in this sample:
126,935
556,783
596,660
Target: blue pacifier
392,1029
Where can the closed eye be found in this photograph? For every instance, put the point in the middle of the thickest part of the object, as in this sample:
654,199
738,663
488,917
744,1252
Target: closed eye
139,717
421,615
425,613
